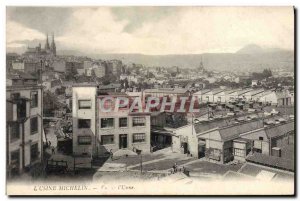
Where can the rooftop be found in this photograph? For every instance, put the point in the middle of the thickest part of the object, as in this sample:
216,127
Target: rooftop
234,131
272,161
252,170
202,92
216,91
223,122
109,86
166,90
85,84
20,75
280,129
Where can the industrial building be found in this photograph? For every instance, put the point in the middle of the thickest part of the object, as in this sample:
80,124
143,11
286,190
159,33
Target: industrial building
96,132
24,127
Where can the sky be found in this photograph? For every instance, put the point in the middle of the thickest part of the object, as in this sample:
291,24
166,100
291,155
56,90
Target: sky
150,30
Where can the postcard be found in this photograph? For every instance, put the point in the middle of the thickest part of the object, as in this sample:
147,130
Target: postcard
182,100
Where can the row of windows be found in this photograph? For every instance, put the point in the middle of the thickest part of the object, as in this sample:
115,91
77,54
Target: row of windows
108,104
109,139
34,155
15,128
109,122
34,98
136,138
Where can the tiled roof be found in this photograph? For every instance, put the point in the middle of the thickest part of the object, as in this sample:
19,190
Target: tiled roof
21,75
230,91
201,92
279,130
243,91
216,91
256,91
220,123
233,132
272,161
205,126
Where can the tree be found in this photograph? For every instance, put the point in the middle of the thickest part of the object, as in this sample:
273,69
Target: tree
265,74
50,103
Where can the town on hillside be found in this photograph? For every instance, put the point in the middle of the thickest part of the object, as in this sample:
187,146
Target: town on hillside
77,120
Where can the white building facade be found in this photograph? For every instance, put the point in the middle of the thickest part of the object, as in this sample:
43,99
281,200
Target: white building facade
97,132
24,127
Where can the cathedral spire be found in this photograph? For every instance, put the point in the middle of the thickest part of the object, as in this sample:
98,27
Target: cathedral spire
53,46
47,46
201,66
52,37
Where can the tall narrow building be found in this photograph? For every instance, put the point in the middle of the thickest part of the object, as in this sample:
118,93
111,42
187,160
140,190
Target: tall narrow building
53,46
24,125
47,46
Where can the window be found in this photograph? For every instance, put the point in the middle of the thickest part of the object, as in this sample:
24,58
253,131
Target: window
34,99
139,137
21,108
107,139
123,122
84,123
15,131
261,138
84,140
15,162
34,152
138,121
34,125
84,104
239,152
107,122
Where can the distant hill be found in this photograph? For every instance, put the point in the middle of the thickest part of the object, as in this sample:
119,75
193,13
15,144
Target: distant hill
255,49
250,49
251,57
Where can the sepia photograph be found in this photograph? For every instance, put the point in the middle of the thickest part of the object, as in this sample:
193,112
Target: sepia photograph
150,100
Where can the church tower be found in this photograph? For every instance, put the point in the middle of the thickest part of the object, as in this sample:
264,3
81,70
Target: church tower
201,66
47,46
53,46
